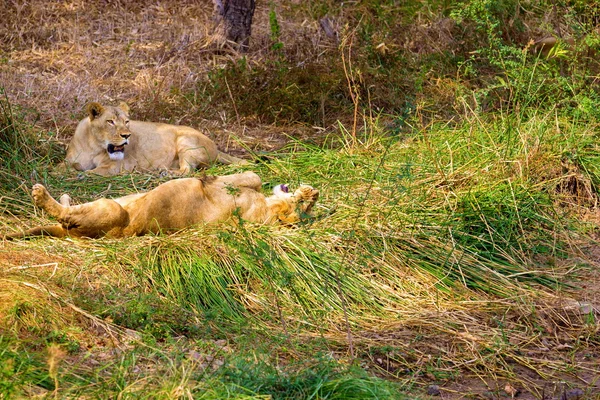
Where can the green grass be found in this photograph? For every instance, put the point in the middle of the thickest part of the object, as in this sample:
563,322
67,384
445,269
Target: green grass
456,218
437,248
206,372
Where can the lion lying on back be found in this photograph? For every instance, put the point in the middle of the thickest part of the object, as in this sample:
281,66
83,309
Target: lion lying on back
107,142
173,205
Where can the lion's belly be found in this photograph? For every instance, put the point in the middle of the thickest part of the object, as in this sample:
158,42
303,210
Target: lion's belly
174,205
181,203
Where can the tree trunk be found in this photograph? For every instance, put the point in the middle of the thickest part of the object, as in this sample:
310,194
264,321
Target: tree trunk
237,19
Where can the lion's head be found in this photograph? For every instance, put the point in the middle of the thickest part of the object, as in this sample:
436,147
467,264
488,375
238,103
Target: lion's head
287,207
110,127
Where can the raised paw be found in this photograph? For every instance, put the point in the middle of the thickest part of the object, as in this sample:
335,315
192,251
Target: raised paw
65,200
40,195
307,193
308,196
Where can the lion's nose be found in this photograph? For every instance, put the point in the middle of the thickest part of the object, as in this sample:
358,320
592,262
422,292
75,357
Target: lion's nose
125,135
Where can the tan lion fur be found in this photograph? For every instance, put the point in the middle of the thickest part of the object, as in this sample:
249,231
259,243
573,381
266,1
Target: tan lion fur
173,205
148,146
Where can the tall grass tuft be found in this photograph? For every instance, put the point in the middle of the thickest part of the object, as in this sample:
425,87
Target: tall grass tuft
26,154
233,274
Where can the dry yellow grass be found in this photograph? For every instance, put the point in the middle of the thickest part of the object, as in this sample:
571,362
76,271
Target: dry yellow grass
57,56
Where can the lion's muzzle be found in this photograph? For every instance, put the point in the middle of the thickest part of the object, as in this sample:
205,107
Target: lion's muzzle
116,152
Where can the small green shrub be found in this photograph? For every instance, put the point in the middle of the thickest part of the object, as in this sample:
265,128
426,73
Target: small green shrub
324,379
275,30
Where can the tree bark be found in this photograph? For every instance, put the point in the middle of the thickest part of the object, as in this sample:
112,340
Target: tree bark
237,20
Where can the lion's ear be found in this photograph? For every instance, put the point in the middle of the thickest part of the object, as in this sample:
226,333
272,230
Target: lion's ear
123,106
94,110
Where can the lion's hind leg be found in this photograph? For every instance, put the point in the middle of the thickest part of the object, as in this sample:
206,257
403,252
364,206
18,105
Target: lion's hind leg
194,151
92,219
44,200
95,219
50,230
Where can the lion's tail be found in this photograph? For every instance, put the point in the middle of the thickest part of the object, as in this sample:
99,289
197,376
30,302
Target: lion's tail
225,158
49,230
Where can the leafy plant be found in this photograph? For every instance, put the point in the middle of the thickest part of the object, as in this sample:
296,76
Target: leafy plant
275,30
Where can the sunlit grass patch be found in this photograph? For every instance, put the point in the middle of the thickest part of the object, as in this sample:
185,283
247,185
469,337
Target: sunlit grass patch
403,216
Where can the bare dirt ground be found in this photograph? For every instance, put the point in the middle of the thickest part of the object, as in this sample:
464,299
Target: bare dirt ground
554,349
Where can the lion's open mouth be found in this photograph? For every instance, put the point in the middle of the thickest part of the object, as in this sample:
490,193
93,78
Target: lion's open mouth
111,148
280,190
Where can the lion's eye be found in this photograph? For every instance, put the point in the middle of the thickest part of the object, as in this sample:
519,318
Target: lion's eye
127,123
110,122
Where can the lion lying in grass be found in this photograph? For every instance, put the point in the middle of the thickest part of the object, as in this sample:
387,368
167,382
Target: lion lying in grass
173,205
107,142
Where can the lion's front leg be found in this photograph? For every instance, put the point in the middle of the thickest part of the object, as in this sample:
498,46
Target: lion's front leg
307,197
288,208
105,171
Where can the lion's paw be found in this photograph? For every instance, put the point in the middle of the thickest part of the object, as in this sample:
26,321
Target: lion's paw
308,193
307,197
40,195
65,200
